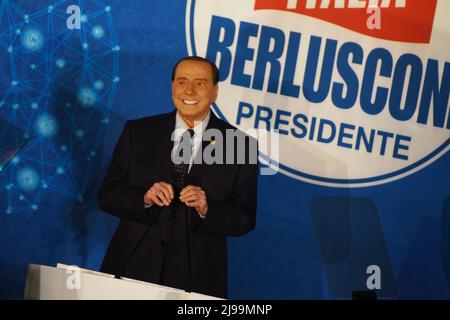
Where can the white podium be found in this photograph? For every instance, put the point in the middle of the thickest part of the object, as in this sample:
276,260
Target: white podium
71,283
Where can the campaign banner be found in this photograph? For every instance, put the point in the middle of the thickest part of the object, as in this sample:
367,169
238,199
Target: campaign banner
357,92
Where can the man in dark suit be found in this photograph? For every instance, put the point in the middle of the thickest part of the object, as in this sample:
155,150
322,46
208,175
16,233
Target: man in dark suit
175,218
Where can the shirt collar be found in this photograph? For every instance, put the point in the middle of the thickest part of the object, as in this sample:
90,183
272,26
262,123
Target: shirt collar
181,126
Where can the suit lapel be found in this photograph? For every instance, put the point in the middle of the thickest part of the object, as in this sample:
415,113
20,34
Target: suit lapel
199,170
165,144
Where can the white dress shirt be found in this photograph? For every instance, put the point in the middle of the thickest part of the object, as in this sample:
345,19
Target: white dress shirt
196,141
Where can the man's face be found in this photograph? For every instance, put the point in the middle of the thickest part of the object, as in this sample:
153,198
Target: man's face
193,90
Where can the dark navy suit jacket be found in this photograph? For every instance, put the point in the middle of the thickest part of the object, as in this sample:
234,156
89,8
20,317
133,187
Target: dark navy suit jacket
151,244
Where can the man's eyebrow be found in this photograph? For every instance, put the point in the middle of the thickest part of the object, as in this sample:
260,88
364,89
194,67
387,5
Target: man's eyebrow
196,79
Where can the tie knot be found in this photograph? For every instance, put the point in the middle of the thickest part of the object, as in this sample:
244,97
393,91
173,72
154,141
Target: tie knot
191,132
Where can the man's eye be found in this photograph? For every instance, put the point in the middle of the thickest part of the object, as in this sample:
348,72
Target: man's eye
181,82
201,84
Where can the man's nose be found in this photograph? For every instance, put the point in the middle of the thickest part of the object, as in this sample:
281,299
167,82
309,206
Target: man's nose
190,88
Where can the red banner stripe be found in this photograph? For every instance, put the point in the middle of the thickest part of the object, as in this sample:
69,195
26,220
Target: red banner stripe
413,23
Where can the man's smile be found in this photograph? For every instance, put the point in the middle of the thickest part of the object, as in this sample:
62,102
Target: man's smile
190,102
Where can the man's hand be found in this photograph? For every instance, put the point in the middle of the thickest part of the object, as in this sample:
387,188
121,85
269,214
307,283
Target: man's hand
161,194
195,197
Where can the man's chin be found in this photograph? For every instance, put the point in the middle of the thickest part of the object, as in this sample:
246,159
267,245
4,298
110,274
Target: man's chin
188,111
183,113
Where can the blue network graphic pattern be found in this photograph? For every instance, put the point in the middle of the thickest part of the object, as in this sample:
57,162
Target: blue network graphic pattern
57,85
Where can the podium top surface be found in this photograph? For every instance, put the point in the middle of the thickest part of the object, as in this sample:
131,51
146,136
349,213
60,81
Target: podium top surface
72,283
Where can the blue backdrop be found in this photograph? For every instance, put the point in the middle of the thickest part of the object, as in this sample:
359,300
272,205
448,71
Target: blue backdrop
72,91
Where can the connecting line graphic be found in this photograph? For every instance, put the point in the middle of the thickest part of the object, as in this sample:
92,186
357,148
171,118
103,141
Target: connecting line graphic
56,92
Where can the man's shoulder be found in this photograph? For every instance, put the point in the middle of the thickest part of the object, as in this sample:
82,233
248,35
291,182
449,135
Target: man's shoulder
154,120
224,126
221,124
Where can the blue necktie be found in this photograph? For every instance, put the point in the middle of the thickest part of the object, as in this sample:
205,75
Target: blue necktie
180,171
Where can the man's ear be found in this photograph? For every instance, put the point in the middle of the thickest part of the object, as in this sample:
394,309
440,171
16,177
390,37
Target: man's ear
216,92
